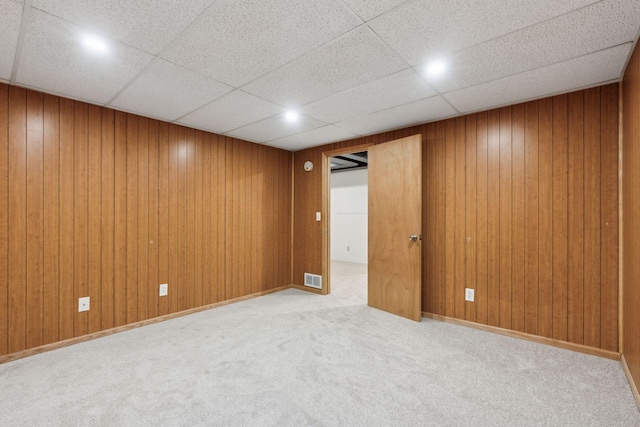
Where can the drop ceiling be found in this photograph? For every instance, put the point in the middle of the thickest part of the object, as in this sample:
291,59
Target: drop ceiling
348,67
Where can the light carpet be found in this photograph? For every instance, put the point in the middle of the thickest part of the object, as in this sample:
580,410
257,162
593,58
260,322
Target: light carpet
295,358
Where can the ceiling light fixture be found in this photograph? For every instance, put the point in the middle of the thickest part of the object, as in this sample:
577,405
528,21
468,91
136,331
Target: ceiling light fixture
292,116
436,68
94,44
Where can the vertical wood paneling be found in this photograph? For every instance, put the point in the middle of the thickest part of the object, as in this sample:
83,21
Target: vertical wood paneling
269,233
545,216
592,233
17,227
190,240
429,224
470,214
248,204
240,225
630,173
560,217
68,306
207,212
609,218
449,222
506,229
174,150
531,218
262,224
279,213
4,195
51,216
255,219
183,276
153,193
518,212
213,207
493,219
198,221
518,219
120,215
108,219
132,218
34,300
459,218
107,179
222,222
94,212
80,215
440,207
109,205
481,295
142,227
164,243
575,200
231,216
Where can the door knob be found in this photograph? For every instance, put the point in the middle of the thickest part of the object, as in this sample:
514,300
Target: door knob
413,237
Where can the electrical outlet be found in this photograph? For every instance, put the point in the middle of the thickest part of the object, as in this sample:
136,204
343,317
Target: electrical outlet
164,289
318,216
83,304
469,294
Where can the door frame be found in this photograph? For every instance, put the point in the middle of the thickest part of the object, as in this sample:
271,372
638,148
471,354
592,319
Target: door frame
326,208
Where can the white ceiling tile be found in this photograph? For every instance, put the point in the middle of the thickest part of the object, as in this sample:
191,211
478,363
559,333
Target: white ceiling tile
320,136
423,30
168,92
275,127
55,60
423,111
588,70
387,92
10,16
369,9
352,60
149,25
232,111
239,40
587,30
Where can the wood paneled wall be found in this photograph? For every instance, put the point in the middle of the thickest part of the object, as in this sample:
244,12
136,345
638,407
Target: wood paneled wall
520,204
631,215
99,203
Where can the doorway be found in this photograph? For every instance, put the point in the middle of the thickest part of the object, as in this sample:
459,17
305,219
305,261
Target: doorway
348,202
394,216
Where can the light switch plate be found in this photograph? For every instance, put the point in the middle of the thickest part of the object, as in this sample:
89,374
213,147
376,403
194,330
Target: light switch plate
83,304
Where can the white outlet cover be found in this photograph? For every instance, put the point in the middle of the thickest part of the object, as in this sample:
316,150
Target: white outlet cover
469,294
318,216
164,289
83,304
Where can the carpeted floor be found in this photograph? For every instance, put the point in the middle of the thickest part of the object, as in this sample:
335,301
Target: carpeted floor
295,358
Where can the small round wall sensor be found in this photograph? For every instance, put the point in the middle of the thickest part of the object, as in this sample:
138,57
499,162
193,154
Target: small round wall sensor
308,166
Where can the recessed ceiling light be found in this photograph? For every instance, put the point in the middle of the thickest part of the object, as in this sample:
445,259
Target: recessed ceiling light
291,116
95,44
436,68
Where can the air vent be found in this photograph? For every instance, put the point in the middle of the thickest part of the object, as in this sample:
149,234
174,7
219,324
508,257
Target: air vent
313,280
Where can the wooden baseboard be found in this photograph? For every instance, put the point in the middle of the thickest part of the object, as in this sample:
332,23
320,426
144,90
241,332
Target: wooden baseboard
632,383
53,346
307,289
522,335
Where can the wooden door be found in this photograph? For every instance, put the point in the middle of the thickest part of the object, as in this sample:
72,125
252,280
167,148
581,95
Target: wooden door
395,215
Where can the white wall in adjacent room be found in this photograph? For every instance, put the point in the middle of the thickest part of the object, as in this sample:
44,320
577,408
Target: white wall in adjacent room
349,214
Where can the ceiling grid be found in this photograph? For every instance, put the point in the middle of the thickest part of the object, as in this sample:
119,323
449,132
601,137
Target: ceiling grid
347,67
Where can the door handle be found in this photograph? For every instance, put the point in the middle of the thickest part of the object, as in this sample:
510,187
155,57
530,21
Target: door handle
415,237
